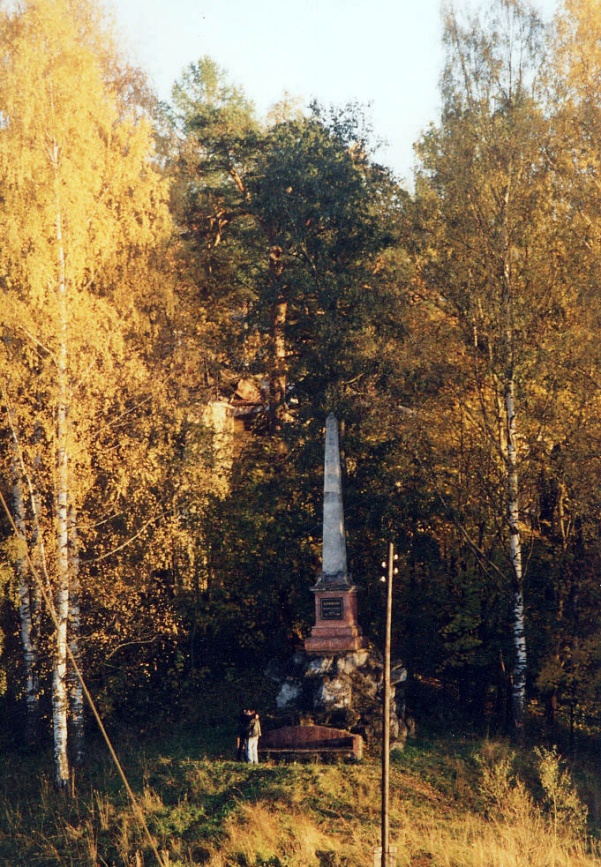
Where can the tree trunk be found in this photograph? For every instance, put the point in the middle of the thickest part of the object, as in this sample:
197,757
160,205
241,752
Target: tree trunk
279,370
515,553
513,510
59,683
75,686
27,608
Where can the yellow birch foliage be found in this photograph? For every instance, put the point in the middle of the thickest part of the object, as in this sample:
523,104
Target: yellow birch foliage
82,204
78,183
574,83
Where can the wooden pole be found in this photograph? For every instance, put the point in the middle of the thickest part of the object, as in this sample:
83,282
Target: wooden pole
386,715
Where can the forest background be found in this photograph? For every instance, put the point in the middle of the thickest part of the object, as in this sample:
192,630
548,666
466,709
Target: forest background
188,290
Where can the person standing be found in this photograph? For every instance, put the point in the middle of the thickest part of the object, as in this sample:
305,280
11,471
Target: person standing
243,723
252,740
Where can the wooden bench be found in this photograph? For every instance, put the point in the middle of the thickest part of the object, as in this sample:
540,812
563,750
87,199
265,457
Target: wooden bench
307,741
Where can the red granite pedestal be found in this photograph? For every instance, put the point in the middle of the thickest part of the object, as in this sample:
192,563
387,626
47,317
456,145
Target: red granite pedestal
336,629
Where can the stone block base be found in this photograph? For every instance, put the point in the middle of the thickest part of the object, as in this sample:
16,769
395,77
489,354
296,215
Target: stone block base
327,644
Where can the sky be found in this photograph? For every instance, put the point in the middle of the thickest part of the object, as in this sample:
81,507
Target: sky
385,54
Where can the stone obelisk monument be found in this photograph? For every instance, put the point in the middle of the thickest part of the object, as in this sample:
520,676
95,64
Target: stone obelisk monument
336,629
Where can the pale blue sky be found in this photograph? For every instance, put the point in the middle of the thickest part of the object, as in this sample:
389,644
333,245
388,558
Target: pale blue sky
383,52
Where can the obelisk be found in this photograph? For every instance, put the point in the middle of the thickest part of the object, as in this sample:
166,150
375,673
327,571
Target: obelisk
336,628
334,570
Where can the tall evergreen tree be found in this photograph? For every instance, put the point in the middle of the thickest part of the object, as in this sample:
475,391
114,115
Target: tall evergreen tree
292,230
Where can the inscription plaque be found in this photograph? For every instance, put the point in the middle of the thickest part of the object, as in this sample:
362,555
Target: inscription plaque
331,609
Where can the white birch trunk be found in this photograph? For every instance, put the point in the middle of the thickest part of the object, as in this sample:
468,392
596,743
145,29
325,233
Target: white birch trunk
59,683
27,610
38,550
75,686
520,663
515,552
59,687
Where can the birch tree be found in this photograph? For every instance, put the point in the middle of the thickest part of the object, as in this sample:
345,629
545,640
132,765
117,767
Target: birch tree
29,598
79,194
571,483
491,266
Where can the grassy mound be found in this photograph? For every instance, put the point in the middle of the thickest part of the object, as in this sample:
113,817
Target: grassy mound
454,803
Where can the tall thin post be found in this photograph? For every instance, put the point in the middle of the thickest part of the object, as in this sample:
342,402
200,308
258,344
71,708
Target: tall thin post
386,715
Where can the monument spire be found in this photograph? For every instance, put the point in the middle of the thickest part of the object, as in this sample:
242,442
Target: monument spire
336,629
334,568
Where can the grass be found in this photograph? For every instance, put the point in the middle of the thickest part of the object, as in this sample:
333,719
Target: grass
454,803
